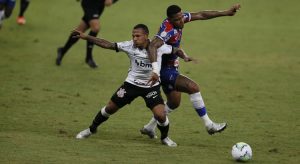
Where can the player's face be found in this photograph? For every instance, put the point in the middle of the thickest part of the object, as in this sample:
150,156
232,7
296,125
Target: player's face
177,20
139,37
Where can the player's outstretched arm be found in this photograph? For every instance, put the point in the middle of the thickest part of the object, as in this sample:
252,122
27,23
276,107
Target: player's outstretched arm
180,53
98,41
209,14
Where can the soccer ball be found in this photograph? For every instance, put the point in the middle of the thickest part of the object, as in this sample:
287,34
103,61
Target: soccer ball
241,152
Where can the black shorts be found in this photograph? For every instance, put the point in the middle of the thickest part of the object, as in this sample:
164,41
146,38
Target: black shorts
92,9
128,92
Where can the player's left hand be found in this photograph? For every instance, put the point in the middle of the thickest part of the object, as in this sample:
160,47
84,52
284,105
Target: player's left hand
78,34
153,79
233,9
189,59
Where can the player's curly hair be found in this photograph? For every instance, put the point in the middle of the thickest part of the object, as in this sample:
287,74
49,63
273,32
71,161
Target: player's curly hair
172,10
142,26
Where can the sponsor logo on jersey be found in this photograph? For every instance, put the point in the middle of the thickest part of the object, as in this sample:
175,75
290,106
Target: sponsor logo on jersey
121,92
153,93
142,64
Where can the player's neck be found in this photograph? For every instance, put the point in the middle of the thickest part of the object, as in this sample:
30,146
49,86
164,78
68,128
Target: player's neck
145,45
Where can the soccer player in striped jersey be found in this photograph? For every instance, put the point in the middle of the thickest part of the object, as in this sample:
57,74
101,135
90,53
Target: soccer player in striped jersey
173,83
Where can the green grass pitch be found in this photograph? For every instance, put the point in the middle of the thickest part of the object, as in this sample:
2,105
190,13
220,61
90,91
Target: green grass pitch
248,71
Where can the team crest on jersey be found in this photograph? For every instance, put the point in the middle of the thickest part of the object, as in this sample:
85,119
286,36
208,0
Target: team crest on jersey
121,92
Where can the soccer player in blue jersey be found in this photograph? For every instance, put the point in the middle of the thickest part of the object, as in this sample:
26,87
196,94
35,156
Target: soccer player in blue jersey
173,83
6,8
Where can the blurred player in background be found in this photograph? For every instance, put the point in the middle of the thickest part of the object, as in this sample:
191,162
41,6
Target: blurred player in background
137,81
172,81
6,8
23,7
92,11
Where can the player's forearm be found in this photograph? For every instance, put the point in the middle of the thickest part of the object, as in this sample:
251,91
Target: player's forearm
101,42
208,14
180,53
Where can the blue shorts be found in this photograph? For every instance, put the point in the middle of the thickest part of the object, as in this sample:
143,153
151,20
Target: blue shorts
8,3
168,78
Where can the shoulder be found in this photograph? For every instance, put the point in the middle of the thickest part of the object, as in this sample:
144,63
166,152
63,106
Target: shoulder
166,26
125,45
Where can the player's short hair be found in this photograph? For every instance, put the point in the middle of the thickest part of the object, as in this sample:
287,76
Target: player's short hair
142,26
172,10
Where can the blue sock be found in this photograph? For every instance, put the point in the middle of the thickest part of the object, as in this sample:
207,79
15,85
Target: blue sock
201,112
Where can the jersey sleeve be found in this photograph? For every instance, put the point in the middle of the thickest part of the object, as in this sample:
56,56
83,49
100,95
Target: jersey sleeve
164,49
187,17
124,46
166,31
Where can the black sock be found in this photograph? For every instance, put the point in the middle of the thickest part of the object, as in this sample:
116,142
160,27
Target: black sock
89,46
164,130
69,44
99,119
23,7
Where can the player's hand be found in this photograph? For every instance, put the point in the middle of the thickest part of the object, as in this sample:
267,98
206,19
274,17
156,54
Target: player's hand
78,34
233,9
153,79
188,59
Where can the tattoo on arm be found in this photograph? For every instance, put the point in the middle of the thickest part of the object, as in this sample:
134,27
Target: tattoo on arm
101,42
154,45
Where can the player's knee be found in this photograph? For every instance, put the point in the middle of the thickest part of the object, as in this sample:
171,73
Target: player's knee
160,117
95,29
194,88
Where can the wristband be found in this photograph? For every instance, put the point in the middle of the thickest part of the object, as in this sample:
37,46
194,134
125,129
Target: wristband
155,68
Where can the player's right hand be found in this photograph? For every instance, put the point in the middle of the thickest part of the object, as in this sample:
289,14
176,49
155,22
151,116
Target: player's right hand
153,79
77,34
233,9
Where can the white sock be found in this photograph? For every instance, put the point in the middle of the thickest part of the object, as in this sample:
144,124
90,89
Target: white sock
2,16
199,106
104,113
168,109
152,124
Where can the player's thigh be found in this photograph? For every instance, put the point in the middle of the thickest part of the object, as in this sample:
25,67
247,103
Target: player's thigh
173,99
186,85
82,26
152,96
124,95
